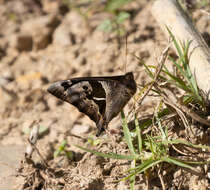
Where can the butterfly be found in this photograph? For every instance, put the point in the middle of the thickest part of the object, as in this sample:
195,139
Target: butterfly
100,98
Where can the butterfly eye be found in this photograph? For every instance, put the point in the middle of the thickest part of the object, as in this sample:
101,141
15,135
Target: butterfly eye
85,88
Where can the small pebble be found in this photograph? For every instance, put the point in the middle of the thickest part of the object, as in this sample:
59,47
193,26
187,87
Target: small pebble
80,129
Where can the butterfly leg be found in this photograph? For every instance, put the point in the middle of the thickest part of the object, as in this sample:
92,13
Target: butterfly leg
101,125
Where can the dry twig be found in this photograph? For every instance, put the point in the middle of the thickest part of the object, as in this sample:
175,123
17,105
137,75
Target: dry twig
159,68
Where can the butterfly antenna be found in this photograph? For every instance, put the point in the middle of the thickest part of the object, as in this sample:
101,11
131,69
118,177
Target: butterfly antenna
126,51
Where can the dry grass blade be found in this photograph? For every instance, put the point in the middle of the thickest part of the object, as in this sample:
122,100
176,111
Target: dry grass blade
193,115
159,68
173,101
170,100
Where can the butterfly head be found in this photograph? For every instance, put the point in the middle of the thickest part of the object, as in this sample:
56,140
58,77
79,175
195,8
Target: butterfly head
129,82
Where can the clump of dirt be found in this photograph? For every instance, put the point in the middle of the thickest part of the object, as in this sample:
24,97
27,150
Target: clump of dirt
45,41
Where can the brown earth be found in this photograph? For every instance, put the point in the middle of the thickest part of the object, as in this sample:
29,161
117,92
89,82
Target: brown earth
44,42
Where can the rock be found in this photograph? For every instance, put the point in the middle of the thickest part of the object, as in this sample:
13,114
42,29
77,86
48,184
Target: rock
69,32
80,129
61,36
24,42
50,6
37,33
6,78
7,96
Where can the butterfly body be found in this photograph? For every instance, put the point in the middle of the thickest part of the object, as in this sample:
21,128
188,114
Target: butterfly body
100,98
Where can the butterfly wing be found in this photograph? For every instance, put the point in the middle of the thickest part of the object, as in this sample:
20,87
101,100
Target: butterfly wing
119,91
100,98
87,97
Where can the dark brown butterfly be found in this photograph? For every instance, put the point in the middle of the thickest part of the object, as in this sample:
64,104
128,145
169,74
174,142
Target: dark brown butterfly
100,98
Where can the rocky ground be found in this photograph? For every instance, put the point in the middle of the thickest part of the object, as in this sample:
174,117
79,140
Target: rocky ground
42,42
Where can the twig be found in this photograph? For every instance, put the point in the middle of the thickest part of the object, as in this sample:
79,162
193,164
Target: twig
170,15
32,140
170,99
37,150
176,105
161,178
193,115
32,144
179,112
179,151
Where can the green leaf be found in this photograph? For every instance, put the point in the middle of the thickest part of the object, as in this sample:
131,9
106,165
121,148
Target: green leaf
133,178
122,17
180,141
175,42
120,31
142,167
43,129
146,67
109,155
69,154
177,162
113,5
105,26
60,148
138,131
127,134
93,142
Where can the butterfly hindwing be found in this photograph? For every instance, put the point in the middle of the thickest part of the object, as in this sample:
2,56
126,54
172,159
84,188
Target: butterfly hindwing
100,98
